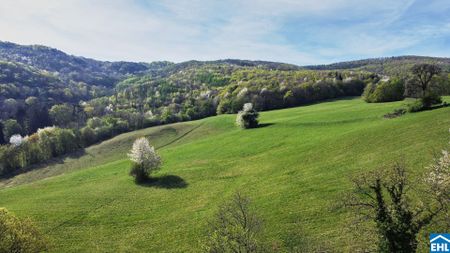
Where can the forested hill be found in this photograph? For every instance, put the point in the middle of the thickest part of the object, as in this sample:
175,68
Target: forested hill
105,73
74,68
397,65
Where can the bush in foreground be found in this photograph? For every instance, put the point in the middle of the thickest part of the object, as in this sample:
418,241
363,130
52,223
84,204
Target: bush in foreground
144,159
385,196
235,228
19,235
248,117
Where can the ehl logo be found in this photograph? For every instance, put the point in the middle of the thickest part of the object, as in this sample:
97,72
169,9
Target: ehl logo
439,243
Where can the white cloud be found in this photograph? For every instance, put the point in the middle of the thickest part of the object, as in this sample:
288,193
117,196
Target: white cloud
206,30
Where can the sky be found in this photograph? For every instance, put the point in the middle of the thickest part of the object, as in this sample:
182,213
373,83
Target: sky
302,32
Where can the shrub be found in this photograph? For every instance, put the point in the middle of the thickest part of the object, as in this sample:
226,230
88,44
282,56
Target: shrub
14,158
368,91
430,99
87,136
19,235
65,141
415,106
248,117
388,91
33,150
235,228
144,159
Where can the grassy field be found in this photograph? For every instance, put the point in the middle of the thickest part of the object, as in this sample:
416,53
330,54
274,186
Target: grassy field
295,169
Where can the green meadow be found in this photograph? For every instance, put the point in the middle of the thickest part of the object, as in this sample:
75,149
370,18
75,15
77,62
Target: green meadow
295,168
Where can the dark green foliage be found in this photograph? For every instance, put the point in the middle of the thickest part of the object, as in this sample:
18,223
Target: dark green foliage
384,91
424,74
36,115
2,135
430,99
10,128
87,136
20,235
423,82
235,228
65,141
62,115
140,174
426,102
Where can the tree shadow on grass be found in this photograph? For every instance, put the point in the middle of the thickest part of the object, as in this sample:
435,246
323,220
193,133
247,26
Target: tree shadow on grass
166,182
434,107
265,125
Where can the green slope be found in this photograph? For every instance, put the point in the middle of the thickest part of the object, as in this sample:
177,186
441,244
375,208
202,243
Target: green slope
295,169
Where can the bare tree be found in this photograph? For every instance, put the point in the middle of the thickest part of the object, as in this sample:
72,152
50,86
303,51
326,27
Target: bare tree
235,228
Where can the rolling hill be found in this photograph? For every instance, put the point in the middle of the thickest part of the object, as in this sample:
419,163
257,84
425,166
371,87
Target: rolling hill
69,67
390,66
295,169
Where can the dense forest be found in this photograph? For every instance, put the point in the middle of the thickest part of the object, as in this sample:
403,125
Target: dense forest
48,97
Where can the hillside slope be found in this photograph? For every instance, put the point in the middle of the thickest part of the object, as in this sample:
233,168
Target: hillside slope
294,168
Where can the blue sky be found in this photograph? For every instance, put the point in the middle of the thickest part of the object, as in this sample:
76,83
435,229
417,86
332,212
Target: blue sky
295,31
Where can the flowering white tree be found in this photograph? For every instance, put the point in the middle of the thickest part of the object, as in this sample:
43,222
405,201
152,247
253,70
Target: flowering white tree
144,158
438,179
439,176
248,117
16,140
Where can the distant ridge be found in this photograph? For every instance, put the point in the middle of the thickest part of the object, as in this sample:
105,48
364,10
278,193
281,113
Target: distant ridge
106,73
374,64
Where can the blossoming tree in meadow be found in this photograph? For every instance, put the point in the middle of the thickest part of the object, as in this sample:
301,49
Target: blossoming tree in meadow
248,117
144,159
